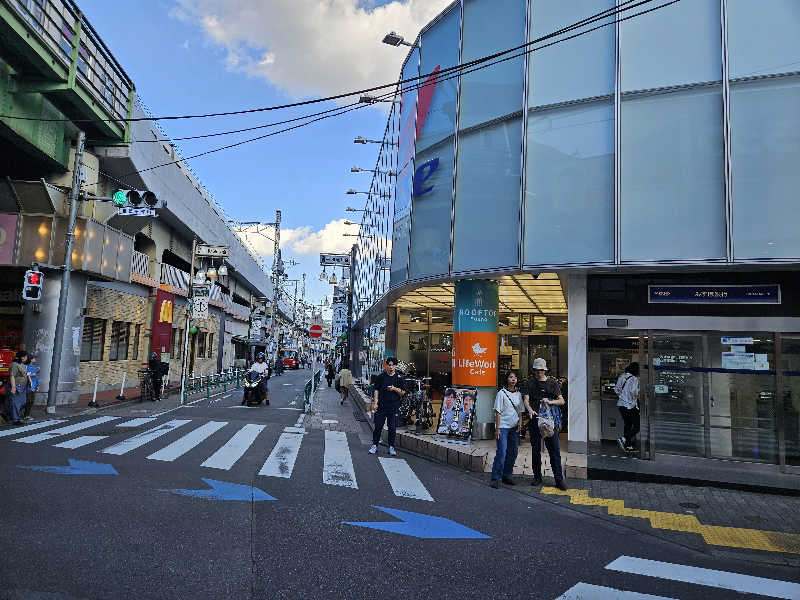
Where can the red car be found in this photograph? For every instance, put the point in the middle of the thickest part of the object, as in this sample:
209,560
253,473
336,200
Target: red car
290,359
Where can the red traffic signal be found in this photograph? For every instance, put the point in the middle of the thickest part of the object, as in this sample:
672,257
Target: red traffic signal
32,287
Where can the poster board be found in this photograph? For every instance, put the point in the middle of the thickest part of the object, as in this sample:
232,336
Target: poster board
457,415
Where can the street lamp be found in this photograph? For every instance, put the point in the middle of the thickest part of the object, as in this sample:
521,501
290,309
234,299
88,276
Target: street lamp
395,39
366,99
376,171
351,223
364,210
351,191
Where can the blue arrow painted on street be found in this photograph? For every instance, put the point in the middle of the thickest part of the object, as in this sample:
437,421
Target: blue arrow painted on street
78,467
222,490
421,526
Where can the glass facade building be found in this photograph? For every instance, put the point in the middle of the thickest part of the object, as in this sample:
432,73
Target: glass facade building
606,151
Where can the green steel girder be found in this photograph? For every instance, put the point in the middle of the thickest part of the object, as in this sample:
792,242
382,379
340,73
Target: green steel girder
42,72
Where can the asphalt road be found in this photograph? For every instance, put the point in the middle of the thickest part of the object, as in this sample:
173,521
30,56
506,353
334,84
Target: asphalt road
144,533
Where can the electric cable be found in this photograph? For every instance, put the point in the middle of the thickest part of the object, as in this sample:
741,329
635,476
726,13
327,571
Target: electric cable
601,15
356,106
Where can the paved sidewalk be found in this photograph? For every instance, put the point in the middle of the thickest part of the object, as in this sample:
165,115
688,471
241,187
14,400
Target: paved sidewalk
329,413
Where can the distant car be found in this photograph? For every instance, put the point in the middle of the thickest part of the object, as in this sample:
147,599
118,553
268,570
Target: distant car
290,359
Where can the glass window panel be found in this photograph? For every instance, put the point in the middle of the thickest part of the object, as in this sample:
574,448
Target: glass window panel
765,152
569,201
432,206
487,197
651,56
582,67
763,37
672,181
497,90
436,108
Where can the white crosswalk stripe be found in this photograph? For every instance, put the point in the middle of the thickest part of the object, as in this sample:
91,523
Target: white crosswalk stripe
41,425
137,422
234,448
337,461
724,580
403,480
280,462
81,441
143,438
337,464
182,445
587,591
54,433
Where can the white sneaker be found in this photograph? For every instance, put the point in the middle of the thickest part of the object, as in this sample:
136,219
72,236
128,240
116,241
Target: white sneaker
621,442
373,449
392,451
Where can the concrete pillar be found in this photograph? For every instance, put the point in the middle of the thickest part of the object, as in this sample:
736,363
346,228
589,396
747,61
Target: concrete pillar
390,332
577,370
475,348
39,324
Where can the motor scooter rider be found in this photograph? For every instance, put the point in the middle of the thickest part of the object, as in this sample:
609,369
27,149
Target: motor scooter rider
262,368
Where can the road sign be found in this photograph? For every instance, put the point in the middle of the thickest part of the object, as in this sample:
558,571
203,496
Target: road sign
212,251
200,294
136,212
336,260
315,331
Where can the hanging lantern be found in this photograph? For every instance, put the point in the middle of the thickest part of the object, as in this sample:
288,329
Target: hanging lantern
222,271
212,273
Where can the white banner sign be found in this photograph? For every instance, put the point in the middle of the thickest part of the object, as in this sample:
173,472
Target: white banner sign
200,307
339,323
336,260
136,212
212,251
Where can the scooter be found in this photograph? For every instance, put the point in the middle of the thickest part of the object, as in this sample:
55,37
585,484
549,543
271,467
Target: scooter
252,395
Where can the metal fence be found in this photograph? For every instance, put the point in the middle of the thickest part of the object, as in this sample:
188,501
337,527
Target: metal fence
308,391
231,378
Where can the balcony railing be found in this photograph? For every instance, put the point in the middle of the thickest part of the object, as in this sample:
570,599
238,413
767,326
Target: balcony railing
140,264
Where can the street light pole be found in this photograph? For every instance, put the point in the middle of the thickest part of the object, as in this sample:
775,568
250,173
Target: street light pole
63,294
186,321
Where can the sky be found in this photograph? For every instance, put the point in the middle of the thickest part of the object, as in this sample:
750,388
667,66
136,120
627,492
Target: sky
197,56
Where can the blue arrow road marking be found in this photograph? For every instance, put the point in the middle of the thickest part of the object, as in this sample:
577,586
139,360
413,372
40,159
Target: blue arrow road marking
222,490
77,467
421,526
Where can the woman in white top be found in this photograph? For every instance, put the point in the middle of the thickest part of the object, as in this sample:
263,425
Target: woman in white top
507,408
627,390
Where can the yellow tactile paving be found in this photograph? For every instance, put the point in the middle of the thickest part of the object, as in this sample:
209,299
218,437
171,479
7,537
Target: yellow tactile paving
733,537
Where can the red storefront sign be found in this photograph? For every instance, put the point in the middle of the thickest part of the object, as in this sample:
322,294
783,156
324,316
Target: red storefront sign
162,323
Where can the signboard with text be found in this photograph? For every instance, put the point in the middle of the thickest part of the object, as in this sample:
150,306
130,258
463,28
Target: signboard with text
212,251
335,260
475,333
162,323
714,294
200,298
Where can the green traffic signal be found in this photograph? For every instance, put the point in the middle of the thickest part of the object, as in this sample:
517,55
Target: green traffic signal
120,197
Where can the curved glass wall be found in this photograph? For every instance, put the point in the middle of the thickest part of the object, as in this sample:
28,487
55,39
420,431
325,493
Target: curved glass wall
432,195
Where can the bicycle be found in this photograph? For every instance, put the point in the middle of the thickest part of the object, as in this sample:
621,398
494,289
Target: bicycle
146,389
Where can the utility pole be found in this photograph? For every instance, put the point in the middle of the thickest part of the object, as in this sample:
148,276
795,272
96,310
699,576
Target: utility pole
275,284
63,295
184,363
350,337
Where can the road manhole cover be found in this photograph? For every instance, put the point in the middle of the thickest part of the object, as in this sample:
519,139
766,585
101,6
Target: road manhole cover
691,505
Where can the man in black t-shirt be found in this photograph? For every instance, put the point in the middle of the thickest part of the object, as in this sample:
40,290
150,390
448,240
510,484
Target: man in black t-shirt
389,390
543,391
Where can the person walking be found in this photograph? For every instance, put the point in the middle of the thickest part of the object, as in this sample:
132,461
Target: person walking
345,381
627,390
329,374
33,386
156,375
544,392
508,405
18,382
389,390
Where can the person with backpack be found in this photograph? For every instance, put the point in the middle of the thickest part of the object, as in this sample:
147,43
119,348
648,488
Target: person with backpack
329,374
508,405
627,390
18,387
345,380
544,393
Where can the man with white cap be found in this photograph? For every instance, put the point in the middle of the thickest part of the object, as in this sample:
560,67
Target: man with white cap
544,391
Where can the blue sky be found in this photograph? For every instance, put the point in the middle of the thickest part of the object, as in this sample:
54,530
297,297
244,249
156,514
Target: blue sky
195,56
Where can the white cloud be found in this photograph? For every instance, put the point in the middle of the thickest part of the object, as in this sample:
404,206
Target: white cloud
311,47
302,240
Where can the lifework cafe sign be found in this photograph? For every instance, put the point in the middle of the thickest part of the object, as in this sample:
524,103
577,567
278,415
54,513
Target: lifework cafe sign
475,333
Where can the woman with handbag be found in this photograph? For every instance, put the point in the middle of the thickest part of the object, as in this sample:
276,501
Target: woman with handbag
507,408
545,394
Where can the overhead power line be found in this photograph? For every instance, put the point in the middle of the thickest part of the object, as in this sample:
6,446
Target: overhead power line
598,16
452,72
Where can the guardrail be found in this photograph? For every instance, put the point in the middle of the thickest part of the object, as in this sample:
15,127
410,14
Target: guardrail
308,391
206,383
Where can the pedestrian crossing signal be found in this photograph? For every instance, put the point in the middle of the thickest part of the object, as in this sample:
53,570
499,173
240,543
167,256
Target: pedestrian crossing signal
32,287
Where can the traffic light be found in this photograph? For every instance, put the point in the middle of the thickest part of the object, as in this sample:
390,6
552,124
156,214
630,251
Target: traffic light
32,287
136,199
